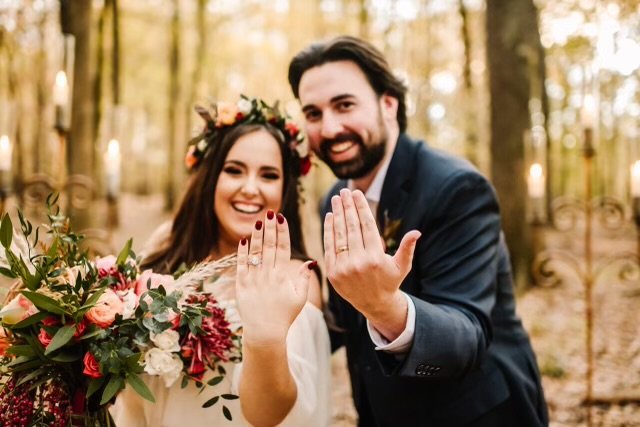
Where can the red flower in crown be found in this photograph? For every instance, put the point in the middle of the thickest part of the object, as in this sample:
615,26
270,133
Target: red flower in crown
292,129
305,165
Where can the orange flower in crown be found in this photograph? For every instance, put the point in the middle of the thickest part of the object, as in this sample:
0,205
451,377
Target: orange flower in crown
222,116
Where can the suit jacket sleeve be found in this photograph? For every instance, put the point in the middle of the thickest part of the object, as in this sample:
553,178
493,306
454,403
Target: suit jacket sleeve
455,267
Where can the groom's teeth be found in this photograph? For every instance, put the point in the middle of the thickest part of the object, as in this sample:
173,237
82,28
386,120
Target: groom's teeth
247,208
341,147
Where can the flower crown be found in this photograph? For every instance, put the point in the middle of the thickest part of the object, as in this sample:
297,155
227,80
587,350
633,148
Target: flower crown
224,115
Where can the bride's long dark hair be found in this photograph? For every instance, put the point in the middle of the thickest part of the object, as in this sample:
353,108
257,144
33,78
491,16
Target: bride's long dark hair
195,230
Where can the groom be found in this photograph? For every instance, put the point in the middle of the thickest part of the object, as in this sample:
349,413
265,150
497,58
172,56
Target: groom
431,331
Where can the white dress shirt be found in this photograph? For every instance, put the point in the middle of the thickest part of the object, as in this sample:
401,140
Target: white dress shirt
402,343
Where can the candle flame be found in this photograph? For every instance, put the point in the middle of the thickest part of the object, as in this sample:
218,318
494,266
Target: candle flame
61,79
535,170
113,149
5,144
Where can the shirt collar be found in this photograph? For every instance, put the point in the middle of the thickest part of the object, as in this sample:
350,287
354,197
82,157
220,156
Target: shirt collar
375,189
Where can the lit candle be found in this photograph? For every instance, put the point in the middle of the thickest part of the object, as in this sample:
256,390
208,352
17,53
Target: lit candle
588,112
112,168
61,90
635,179
535,181
5,153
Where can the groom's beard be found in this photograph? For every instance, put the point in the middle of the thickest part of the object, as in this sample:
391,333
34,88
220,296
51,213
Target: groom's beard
369,154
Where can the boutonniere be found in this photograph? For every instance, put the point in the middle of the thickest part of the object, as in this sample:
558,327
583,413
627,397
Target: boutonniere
390,229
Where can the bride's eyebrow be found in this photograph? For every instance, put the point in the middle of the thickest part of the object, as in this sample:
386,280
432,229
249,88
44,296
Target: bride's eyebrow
234,163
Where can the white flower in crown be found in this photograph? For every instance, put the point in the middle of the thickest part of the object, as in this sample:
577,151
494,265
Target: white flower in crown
202,145
245,106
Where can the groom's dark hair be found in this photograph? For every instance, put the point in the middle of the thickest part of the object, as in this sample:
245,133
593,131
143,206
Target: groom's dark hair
370,60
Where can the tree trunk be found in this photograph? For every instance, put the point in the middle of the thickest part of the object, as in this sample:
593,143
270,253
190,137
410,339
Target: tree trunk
471,122
174,91
76,18
512,30
115,53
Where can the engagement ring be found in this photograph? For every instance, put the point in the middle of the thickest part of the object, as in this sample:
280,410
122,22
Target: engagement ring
342,249
254,260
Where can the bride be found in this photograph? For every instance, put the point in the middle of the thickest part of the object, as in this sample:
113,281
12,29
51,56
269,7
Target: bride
243,199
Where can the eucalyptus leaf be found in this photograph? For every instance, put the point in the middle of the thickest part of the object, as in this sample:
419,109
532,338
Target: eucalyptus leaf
209,403
227,413
140,387
44,302
6,231
61,337
114,385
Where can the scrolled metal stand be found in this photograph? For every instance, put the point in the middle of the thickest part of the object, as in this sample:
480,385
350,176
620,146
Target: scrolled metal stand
550,265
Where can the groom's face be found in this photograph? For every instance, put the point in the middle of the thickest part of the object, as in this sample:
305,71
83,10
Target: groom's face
345,120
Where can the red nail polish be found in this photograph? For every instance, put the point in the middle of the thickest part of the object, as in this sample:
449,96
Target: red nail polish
280,218
243,241
258,225
270,214
312,265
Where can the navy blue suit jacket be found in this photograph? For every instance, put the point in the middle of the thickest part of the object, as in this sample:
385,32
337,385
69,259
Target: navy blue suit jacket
470,352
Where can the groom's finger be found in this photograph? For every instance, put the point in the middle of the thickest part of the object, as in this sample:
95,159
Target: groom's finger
370,234
339,228
352,223
329,243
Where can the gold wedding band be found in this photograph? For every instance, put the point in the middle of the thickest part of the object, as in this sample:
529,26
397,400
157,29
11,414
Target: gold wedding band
342,249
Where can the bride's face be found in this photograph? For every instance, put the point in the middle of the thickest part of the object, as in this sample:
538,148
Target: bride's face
250,183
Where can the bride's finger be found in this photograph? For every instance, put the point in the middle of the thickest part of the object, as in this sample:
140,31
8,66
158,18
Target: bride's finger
255,246
269,240
243,254
283,252
304,274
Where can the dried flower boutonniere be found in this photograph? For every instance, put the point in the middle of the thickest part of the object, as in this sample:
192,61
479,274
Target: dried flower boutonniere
390,228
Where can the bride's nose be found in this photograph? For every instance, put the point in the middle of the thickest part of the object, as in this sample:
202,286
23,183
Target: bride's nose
249,187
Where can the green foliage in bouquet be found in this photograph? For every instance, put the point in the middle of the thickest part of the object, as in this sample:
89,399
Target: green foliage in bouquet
77,330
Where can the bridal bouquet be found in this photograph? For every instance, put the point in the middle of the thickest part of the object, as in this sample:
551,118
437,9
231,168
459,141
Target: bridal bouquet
76,330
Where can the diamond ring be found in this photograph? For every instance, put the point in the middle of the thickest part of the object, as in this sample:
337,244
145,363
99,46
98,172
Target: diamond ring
254,260
342,249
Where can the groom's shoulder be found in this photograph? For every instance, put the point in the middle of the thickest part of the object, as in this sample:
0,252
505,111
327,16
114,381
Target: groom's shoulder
436,166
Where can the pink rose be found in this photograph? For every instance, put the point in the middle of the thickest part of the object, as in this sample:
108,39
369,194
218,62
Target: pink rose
91,366
165,280
81,327
44,338
104,312
17,310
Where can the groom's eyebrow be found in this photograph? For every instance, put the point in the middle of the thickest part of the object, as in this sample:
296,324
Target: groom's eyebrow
333,100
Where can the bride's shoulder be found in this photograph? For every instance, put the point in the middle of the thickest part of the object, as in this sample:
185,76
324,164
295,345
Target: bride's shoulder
157,238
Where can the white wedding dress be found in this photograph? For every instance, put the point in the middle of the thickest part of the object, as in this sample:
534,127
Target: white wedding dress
308,350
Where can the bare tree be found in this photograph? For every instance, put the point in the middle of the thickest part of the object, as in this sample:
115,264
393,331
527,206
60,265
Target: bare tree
174,93
512,36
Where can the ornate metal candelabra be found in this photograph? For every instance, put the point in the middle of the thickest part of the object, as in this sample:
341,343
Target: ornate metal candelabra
549,263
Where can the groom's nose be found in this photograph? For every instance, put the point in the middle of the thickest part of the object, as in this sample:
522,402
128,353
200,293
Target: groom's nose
331,126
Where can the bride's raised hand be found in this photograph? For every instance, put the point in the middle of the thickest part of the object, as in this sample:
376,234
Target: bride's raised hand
270,294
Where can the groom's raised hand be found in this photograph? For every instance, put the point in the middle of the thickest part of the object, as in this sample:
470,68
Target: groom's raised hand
359,269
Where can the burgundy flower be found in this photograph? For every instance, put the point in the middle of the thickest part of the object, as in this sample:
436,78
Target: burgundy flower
212,346
50,321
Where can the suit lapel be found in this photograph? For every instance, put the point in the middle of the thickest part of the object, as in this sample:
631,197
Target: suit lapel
396,188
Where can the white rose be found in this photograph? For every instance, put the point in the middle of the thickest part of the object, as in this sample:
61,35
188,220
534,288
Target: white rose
166,340
130,301
244,106
164,364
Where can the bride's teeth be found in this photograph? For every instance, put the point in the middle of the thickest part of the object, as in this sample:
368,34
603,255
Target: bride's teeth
245,208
